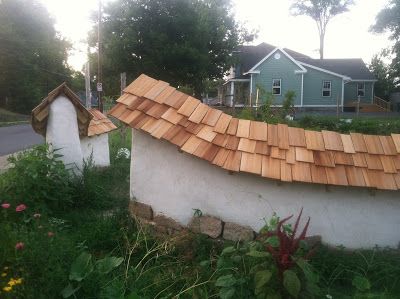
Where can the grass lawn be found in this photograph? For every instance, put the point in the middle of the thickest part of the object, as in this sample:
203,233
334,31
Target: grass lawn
8,118
75,239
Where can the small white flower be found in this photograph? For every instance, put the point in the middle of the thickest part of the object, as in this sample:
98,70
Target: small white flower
329,296
123,153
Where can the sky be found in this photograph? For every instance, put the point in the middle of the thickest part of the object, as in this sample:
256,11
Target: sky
347,35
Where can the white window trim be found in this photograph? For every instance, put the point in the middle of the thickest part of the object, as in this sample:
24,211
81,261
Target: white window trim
325,89
363,90
280,87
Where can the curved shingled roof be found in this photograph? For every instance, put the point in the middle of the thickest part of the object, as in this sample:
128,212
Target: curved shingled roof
271,151
90,121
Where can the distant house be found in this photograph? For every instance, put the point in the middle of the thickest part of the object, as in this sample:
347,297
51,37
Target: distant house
316,82
79,133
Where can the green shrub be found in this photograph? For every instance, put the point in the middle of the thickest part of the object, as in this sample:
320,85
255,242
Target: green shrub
37,178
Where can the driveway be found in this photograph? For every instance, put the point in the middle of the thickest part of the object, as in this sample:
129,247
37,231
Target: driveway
17,138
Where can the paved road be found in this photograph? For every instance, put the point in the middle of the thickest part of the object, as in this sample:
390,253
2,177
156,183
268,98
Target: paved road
16,138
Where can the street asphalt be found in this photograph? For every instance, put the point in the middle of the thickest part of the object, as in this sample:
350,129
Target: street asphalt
17,138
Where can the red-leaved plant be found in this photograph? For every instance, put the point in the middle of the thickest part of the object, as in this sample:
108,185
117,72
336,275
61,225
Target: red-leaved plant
288,244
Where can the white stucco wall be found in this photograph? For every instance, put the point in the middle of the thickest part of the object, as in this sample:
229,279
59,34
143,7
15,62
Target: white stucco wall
175,183
62,132
98,145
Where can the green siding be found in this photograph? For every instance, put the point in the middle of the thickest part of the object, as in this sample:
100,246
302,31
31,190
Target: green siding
283,69
313,88
350,92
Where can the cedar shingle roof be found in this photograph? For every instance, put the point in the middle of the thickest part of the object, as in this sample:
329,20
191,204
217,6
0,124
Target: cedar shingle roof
90,122
272,151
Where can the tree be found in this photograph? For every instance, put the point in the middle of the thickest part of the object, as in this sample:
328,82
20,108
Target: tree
321,11
184,42
383,73
387,20
32,55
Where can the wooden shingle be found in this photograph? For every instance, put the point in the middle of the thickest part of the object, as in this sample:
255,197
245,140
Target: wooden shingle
324,159
373,144
232,162
396,141
258,131
251,163
332,141
348,146
191,144
223,123
286,172
188,106
247,145
172,116
336,175
304,155
271,168
243,129
373,162
388,164
355,176
212,117
262,148
283,136
388,145
206,133
221,157
301,172
233,125
297,137
273,139
358,142
318,174
314,141
342,158
199,113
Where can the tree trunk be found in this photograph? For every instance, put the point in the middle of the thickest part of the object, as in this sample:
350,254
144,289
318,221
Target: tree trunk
321,45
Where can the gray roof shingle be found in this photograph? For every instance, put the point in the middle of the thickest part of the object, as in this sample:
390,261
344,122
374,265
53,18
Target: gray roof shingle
249,56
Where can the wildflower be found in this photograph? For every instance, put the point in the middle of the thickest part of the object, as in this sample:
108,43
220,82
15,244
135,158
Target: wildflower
7,289
19,246
40,226
5,268
3,274
50,234
37,215
20,208
18,281
5,205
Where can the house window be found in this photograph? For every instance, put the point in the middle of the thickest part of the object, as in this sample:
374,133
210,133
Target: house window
326,88
361,89
276,86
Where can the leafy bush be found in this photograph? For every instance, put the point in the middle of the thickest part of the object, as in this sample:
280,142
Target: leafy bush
358,125
37,178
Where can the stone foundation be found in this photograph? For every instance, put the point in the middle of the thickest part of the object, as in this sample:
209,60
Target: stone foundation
204,224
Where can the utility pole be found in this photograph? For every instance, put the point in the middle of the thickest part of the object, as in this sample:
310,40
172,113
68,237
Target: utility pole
87,86
123,82
99,68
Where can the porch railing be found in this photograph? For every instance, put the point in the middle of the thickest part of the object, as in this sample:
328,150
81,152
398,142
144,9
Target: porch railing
385,105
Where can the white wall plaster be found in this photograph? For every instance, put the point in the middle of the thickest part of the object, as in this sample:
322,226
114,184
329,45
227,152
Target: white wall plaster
98,145
63,133
175,183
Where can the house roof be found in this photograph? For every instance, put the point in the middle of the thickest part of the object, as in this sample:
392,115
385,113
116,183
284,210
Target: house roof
355,68
271,151
90,122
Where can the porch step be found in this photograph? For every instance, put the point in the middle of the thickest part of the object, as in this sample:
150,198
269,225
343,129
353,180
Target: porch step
364,107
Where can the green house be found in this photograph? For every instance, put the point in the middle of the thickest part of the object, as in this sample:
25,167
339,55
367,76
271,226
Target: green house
317,83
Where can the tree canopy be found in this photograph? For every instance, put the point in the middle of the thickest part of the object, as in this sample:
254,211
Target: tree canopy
32,55
184,42
387,20
321,11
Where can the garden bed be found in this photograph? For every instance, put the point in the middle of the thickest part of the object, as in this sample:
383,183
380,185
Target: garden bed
78,241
